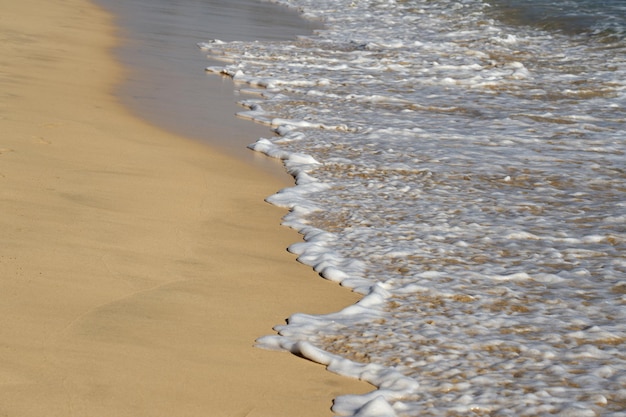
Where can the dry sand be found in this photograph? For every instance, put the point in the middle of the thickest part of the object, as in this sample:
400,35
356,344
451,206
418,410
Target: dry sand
136,267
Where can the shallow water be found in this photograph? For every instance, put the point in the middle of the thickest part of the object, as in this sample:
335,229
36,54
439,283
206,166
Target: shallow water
466,170
596,18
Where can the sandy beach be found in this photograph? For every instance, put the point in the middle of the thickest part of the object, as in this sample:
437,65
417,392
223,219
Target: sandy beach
137,267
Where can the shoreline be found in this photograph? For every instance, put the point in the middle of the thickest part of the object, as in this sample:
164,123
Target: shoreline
138,266
166,82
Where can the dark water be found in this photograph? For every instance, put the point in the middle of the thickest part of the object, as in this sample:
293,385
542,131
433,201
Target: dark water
166,82
599,18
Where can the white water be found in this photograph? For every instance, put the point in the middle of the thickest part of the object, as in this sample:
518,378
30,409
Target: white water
470,178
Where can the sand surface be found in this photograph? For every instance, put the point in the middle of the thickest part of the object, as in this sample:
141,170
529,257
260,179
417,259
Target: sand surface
136,267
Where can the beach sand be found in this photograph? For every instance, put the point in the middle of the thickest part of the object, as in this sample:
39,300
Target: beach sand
136,267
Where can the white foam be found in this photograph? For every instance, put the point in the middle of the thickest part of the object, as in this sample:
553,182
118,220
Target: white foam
467,178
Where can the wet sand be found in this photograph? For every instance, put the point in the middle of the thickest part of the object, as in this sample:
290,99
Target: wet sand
137,266
166,82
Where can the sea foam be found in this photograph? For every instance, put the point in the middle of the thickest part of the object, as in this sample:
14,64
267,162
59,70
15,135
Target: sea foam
466,177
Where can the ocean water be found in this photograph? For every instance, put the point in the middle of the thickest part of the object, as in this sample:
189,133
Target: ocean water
463,165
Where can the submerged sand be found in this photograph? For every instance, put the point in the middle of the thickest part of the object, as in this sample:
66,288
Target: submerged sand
136,267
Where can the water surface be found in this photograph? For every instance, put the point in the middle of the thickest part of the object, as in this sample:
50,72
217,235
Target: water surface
464,166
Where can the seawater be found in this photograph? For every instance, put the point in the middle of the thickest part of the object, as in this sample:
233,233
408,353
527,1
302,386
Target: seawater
463,167
592,17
